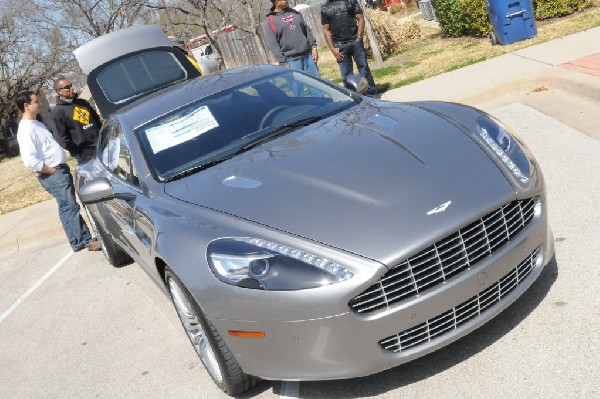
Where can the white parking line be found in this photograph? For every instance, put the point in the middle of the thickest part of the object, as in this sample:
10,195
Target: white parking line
289,390
35,286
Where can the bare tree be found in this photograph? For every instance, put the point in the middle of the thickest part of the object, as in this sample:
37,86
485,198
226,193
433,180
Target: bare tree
213,17
27,61
83,20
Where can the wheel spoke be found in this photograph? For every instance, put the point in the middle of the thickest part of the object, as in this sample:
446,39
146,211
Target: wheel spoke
194,330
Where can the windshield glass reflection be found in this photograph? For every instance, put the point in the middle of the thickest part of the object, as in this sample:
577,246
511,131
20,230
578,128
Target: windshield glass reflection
215,128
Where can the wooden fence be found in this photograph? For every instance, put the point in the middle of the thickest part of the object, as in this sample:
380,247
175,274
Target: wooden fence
240,48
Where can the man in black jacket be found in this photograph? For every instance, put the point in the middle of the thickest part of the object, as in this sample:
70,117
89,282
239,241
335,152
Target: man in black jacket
343,24
75,122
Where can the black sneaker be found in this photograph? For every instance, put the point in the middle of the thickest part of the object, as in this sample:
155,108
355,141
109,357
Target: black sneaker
372,93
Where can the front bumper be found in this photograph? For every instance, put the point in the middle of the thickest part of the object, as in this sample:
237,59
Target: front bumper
352,345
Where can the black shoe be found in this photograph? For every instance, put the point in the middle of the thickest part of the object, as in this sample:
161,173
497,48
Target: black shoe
372,93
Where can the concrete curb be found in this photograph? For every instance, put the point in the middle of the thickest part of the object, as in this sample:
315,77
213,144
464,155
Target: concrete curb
520,71
558,78
31,228
580,84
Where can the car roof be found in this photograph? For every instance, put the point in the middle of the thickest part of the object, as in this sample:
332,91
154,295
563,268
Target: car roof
161,102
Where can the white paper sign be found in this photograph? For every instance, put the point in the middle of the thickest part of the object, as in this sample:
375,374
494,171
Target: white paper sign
181,130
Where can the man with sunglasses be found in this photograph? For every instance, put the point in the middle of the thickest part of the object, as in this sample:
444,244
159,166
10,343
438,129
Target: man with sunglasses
76,123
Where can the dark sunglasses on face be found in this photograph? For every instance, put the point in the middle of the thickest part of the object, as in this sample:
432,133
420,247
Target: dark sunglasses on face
65,87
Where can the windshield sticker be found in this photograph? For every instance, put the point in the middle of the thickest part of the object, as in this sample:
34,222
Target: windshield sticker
181,130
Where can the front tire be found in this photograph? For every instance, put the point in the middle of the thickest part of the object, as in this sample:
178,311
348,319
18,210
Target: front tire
206,340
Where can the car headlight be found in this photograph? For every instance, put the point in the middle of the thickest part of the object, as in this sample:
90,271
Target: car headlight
261,264
505,146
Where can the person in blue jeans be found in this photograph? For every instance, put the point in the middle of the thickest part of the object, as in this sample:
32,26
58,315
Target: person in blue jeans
42,153
290,39
343,25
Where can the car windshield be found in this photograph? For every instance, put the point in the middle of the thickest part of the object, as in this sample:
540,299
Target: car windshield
216,128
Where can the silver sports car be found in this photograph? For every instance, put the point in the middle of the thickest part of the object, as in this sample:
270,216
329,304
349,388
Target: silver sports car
305,232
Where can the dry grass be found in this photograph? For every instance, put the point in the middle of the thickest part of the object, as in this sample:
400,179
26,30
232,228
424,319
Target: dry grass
432,55
427,56
19,187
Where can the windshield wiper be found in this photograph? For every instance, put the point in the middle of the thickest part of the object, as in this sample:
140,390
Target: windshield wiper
281,130
198,168
271,135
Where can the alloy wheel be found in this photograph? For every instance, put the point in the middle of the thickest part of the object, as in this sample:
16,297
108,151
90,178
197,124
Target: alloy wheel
193,327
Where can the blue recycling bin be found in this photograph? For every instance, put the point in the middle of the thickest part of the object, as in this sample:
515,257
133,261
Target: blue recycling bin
512,21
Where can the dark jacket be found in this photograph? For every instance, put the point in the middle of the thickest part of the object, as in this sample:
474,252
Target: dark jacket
341,17
287,35
75,125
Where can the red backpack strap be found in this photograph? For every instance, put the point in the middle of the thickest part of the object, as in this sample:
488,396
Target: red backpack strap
273,25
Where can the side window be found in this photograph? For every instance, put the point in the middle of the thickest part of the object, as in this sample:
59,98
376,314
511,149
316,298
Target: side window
115,153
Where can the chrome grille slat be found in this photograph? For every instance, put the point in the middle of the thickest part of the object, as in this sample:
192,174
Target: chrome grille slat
422,254
425,269
398,294
447,258
453,249
416,265
470,309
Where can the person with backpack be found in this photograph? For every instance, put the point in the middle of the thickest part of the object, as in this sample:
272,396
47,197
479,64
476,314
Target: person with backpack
290,39
343,25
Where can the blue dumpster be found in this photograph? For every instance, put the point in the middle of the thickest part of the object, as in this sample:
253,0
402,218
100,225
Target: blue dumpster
512,21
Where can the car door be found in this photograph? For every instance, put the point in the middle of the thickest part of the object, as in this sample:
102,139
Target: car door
125,220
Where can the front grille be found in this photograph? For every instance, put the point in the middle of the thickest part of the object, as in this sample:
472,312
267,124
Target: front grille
459,315
446,258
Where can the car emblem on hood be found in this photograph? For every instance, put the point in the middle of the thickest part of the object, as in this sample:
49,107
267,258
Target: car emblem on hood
440,208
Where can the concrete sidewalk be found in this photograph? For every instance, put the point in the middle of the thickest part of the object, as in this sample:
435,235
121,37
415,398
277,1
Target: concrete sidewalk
31,229
571,63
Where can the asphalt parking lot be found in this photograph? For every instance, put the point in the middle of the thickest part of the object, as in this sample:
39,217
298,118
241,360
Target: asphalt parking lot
71,326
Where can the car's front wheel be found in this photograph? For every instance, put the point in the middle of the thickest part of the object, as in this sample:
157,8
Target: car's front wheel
206,340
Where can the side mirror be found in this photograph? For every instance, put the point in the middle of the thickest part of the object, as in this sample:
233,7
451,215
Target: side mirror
356,83
99,190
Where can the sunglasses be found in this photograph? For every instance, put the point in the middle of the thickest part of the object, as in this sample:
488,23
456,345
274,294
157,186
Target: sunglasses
65,87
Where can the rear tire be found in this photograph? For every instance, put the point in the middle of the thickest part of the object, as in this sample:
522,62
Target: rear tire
113,253
218,361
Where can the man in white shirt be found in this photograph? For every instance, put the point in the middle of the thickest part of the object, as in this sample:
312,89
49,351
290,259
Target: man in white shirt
42,153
